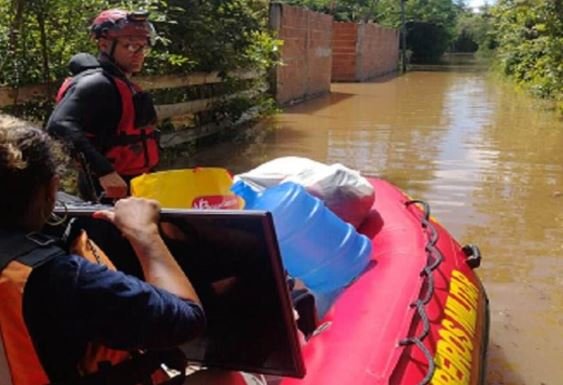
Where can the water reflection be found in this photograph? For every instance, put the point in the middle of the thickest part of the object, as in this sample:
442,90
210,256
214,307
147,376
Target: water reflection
487,159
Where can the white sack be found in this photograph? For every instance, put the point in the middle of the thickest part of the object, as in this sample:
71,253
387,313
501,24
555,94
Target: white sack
344,191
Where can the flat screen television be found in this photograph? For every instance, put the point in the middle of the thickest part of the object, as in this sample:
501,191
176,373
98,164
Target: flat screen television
233,260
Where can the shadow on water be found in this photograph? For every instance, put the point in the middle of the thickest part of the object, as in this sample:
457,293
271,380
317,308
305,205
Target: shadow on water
455,62
335,96
321,102
385,78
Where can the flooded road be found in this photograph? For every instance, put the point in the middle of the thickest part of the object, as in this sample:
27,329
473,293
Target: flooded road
490,163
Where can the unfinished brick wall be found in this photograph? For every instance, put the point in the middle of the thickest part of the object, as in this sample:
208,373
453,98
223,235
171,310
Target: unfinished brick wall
306,53
363,51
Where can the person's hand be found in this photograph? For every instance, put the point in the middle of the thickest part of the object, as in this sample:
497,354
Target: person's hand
114,186
136,218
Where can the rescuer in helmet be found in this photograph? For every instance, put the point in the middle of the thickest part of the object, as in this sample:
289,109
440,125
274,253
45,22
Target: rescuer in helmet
105,118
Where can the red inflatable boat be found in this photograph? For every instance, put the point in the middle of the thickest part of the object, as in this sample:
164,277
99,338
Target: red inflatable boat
417,315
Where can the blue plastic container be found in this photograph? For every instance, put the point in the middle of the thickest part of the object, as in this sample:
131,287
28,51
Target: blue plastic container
316,246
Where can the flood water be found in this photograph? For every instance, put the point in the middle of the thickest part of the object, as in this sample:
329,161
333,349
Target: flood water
487,159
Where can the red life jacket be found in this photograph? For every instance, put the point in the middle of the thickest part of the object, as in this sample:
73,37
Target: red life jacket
133,149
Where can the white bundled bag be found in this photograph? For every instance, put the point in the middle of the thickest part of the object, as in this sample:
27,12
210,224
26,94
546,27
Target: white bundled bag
344,191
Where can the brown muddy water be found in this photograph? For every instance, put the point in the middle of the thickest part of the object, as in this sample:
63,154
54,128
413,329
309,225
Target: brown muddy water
487,159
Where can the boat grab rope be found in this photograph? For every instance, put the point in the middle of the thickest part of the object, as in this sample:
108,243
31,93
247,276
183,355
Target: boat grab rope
435,257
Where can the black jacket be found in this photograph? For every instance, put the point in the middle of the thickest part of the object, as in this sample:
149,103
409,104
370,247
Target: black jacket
87,117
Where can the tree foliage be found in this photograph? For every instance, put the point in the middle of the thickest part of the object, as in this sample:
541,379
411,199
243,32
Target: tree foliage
38,37
475,31
434,19
530,44
387,12
342,10
426,41
218,34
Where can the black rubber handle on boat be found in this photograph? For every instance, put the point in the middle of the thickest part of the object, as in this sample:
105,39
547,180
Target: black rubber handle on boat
425,208
473,255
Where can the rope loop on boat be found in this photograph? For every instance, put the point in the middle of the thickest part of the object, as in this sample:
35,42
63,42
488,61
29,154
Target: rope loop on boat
435,258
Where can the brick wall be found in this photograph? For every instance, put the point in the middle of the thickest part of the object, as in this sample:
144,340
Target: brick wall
363,51
378,52
306,53
344,51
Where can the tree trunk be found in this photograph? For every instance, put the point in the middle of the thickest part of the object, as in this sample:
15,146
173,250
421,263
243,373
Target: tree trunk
41,16
15,31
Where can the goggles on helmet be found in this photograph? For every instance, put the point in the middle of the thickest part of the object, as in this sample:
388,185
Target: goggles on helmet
134,48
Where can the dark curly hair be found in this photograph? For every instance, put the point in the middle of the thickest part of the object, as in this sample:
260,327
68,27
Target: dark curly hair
27,162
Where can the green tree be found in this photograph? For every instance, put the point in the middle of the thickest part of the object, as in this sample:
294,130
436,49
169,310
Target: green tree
435,19
38,37
342,10
530,44
218,34
476,30
431,25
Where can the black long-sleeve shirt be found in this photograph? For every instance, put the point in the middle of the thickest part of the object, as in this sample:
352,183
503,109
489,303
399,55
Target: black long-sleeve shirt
69,302
88,115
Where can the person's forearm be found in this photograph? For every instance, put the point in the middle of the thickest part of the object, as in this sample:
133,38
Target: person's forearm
138,219
160,268
79,145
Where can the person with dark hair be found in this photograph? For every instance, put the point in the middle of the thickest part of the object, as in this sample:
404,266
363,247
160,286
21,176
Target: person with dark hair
103,116
63,316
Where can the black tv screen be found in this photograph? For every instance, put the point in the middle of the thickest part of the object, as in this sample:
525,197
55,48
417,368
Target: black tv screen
233,260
